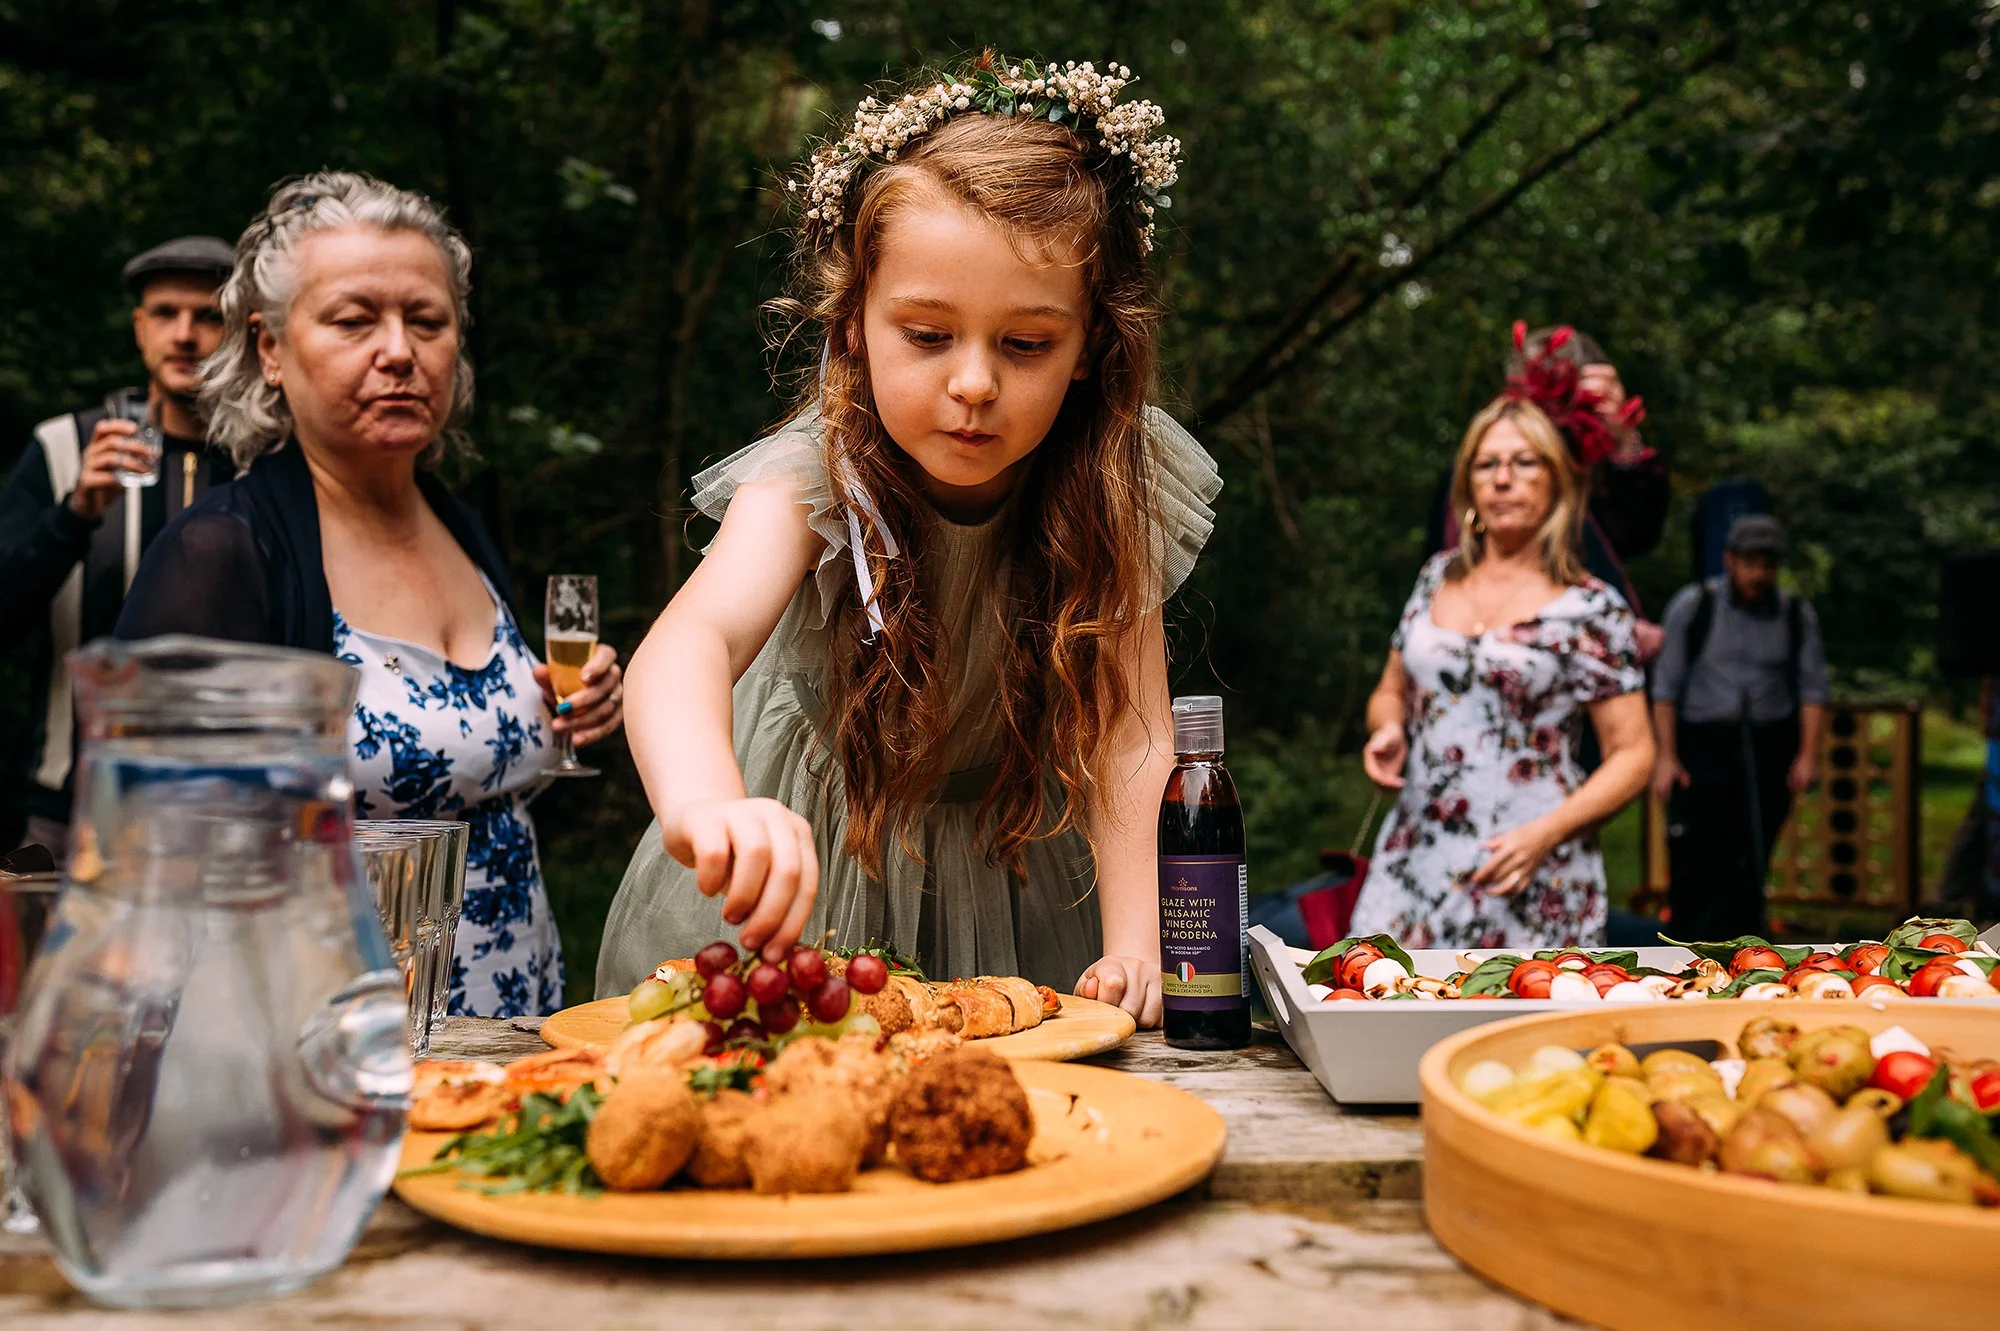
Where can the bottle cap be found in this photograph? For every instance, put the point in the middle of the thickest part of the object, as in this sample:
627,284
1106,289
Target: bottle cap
1198,724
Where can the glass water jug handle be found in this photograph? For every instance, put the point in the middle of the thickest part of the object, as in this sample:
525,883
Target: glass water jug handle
355,1050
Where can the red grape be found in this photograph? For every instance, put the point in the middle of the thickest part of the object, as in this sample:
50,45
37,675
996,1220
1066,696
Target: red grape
867,973
715,1035
780,1016
714,959
744,1029
723,995
767,983
829,1002
808,969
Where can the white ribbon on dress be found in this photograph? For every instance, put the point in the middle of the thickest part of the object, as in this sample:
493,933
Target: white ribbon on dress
859,501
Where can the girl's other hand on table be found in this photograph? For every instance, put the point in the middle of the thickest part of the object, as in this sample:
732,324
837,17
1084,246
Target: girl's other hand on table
1127,982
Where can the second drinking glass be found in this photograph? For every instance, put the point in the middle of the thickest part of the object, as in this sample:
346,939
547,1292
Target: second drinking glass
569,637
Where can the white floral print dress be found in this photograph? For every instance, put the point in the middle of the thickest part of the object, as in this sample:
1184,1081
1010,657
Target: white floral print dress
433,739
1493,725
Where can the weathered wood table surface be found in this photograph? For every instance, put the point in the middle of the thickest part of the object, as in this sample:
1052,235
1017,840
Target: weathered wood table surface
1312,1221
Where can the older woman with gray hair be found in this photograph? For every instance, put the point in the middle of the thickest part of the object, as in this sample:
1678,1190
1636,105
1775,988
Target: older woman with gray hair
340,380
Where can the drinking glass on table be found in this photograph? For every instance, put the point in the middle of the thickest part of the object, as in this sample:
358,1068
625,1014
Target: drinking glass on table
445,874
25,901
394,867
136,408
569,637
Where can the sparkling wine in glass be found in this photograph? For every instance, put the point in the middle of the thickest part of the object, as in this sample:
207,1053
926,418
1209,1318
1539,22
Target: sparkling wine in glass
570,636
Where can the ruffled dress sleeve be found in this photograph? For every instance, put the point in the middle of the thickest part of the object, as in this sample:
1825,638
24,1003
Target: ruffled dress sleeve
795,452
1604,653
1421,595
1185,484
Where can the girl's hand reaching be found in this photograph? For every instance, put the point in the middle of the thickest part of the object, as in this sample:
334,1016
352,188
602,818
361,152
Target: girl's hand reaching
761,854
1127,982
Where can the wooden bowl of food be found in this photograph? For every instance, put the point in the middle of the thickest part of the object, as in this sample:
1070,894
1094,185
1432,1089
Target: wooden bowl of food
1629,1241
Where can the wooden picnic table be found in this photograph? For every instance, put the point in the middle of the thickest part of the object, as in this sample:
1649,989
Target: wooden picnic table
1311,1221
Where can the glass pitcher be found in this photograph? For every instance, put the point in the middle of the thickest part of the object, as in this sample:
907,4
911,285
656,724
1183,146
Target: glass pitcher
210,1067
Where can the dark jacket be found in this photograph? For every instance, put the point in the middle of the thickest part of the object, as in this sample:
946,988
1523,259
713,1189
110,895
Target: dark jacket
244,563
42,542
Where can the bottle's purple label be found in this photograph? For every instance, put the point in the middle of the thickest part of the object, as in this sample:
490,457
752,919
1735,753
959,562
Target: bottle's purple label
1204,953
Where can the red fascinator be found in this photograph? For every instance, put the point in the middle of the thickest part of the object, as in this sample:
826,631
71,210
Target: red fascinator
1551,382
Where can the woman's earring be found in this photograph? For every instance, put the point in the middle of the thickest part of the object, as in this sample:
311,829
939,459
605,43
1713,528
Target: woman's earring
1472,522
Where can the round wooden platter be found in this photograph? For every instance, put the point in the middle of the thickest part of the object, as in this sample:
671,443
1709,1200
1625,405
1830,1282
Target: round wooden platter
1105,1143
1083,1027
1631,1243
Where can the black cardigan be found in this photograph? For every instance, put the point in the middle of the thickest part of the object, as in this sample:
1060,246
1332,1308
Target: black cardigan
244,563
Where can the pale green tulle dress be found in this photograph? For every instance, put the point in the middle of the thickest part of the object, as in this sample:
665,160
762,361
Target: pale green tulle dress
954,911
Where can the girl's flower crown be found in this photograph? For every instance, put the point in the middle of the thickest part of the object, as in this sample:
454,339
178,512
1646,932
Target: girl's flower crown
1078,94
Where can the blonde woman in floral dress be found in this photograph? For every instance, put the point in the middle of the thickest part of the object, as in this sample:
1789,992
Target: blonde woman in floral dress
1504,648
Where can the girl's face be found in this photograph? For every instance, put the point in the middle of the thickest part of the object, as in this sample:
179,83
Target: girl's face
970,347
1511,486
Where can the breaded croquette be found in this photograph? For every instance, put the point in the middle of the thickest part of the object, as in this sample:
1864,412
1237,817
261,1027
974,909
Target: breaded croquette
718,1155
852,1067
644,1131
797,1144
962,1115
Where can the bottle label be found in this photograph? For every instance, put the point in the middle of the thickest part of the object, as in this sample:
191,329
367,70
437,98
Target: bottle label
1204,951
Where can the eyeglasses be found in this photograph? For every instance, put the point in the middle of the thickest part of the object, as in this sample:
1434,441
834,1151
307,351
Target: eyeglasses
1523,466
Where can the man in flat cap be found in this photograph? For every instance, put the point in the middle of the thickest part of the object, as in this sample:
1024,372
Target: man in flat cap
72,523
1739,706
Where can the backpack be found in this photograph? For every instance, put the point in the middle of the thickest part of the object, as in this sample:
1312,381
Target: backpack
1704,621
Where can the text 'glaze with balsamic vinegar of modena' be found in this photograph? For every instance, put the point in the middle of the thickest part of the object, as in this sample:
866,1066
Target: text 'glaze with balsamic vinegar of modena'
1204,889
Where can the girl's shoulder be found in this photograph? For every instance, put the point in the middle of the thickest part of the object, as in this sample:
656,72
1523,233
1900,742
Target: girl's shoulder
793,455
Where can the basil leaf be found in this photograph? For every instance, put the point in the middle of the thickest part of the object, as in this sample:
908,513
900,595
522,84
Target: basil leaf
1915,929
1320,969
1724,952
1933,1113
1489,977
1745,980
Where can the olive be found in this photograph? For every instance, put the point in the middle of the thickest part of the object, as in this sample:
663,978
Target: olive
1718,1111
1760,1076
1840,1065
1806,1106
1766,1144
1766,1037
1876,1101
1930,1171
1614,1060
1684,1137
1848,1139
1848,1180
1684,1084
1661,1060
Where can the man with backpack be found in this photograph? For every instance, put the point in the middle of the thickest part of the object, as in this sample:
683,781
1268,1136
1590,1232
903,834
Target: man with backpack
1739,707
92,490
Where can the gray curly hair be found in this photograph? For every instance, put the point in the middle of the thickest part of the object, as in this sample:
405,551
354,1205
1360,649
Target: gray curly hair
248,416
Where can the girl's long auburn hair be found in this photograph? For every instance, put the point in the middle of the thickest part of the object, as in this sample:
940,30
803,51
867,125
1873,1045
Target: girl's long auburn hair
1081,530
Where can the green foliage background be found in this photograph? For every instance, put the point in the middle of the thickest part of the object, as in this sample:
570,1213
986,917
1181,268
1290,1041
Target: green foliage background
1778,214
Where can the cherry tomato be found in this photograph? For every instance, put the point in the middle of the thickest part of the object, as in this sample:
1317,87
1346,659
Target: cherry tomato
1349,995
1604,979
1531,979
1755,959
1864,983
1347,971
1867,958
1572,960
1591,972
1903,1073
1942,943
1985,1089
1932,975
1825,961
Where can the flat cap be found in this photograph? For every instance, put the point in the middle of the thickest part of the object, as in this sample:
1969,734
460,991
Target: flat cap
1757,534
200,256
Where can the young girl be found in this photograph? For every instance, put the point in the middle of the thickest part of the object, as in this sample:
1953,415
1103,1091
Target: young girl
937,589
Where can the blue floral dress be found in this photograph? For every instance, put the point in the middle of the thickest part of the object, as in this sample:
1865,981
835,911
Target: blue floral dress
432,739
1493,724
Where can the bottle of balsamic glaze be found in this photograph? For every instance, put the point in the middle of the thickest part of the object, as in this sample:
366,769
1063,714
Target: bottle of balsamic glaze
1204,889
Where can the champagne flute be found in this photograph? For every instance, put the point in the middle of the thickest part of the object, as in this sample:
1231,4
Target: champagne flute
570,636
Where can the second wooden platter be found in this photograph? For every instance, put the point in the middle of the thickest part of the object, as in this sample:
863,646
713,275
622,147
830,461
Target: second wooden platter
1105,1143
1084,1027
1636,1244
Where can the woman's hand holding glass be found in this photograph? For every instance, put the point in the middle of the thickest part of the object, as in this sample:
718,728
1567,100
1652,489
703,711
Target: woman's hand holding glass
597,709
759,855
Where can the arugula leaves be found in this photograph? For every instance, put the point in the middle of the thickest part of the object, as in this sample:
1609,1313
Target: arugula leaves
540,1150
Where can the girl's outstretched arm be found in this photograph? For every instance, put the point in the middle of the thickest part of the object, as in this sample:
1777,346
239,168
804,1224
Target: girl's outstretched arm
678,718
1124,824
